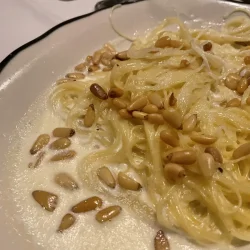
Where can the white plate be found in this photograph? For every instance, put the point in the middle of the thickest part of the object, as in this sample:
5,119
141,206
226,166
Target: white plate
38,66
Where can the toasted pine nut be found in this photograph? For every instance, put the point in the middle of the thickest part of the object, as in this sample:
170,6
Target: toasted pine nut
215,153
96,57
67,221
46,200
156,99
247,60
248,101
172,100
184,63
235,102
63,132
170,139
89,204
161,242
81,66
150,109
40,142
206,164
163,42
63,80
37,161
88,59
98,91
125,114
174,171
106,58
105,62
75,75
242,86
108,213
60,143
115,93
245,71
175,44
106,177
140,115
189,123
203,139
185,157
109,47
241,151
114,62
232,80
119,103
155,119
128,183
64,155
89,118
122,55
173,117
66,181
138,104
93,68
208,46
106,69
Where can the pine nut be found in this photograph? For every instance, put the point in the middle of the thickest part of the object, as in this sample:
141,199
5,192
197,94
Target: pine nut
115,93
184,64
63,132
96,57
175,44
125,114
63,80
87,205
155,119
122,55
189,123
172,100
173,117
98,91
232,80
241,151
89,118
106,69
66,155
109,47
242,86
40,142
89,59
248,101
106,58
60,143
108,213
174,172
67,221
75,75
66,181
163,42
247,60
170,139
203,139
46,200
208,46
245,72
81,66
140,115
206,164
128,183
93,68
161,242
114,62
106,177
138,104
185,157
215,153
119,103
38,161
150,109
156,99
235,102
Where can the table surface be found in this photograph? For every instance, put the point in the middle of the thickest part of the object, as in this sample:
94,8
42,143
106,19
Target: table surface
22,21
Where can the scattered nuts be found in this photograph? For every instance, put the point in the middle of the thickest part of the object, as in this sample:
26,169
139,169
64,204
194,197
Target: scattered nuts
106,177
108,213
170,139
66,155
40,142
89,204
115,93
241,151
128,183
60,143
46,200
66,181
98,91
215,153
161,242
63,132
75,75
185,157
67,221
89,118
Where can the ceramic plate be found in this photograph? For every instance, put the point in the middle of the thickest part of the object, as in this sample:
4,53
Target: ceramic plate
33,68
